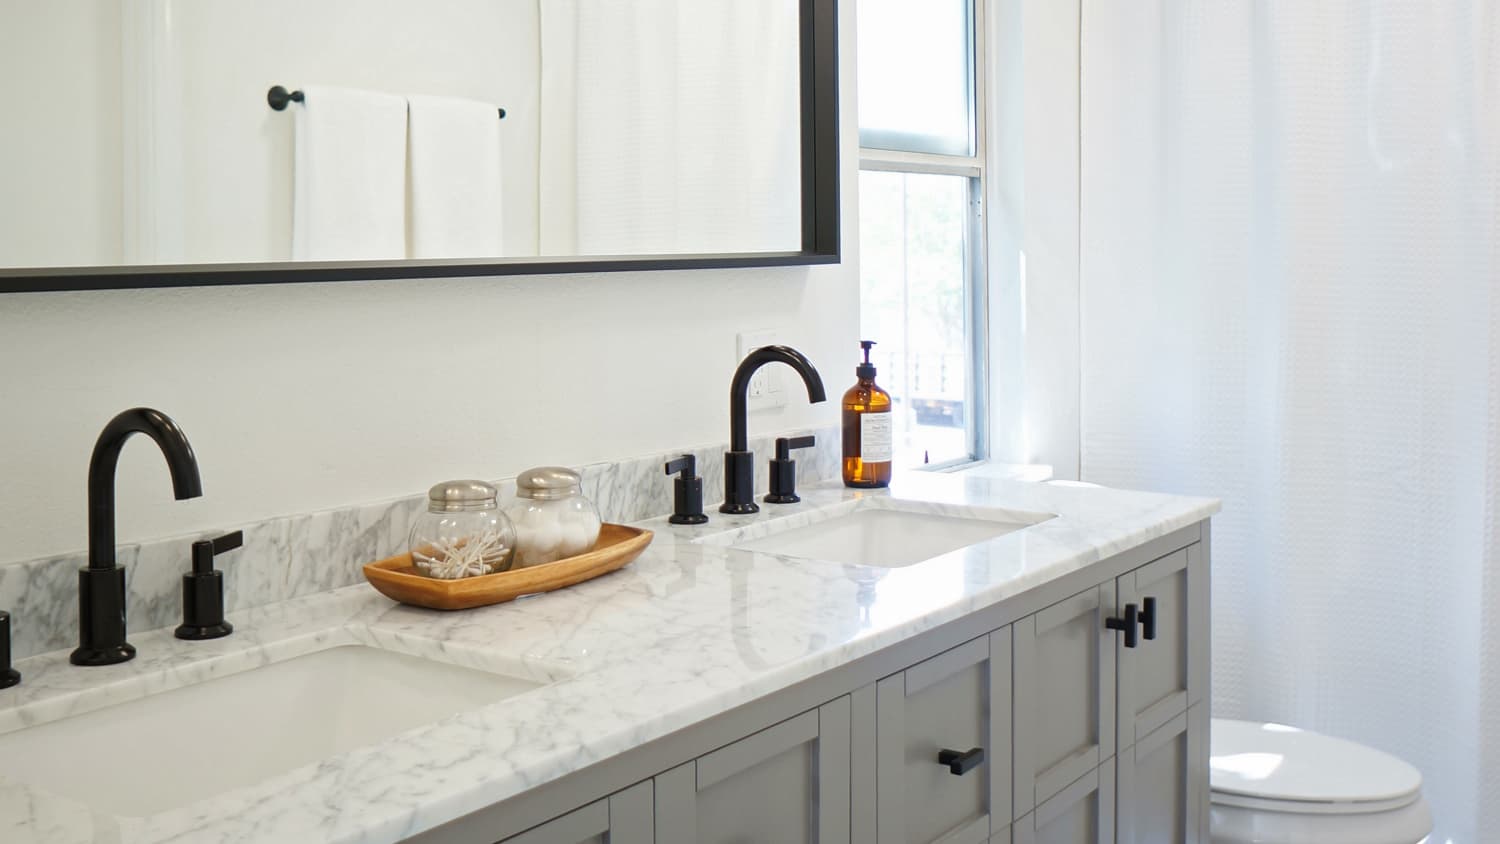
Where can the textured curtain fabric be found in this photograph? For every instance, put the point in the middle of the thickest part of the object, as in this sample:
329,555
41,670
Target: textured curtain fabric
674,124
1290,285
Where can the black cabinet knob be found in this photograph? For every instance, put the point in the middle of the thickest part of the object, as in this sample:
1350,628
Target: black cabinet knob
961,762
1148,619
1126,625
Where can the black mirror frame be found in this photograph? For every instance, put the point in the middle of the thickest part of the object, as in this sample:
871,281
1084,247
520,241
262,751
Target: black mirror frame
820,215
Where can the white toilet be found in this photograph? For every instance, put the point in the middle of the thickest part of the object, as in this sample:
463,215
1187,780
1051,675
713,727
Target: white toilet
1272,784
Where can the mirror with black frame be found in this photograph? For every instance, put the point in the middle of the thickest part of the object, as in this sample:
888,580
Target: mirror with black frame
166,142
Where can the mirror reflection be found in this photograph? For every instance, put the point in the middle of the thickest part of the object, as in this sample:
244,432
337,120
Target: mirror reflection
145,134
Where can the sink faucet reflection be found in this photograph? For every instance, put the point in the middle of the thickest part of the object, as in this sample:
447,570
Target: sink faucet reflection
101,586
739,462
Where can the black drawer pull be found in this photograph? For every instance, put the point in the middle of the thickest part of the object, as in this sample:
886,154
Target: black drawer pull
961,763
1127,624
1148,619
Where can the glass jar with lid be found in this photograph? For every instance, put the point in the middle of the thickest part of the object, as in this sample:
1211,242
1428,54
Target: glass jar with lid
463,533
553,519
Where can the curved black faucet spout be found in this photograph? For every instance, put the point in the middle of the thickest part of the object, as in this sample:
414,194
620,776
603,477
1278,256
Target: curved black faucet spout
174,446
739,463
101,586
739,388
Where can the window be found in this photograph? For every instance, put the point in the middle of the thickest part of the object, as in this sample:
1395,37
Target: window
921,192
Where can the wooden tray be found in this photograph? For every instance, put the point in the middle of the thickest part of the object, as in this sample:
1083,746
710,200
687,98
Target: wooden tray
397,579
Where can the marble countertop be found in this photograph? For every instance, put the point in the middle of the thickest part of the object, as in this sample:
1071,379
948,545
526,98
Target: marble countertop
686,632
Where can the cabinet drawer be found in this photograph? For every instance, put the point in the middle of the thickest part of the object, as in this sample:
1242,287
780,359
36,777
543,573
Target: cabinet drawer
1162,676
1064,679
623,818
1082,813
788,783
953,707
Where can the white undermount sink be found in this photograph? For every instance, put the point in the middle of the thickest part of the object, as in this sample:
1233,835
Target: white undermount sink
883,533
175,747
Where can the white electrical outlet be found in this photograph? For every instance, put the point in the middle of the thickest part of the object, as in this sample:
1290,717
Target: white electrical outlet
767,385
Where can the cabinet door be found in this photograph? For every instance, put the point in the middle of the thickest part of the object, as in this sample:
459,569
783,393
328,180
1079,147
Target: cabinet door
623,818
788,783
1161,782
1162,676
1082,813
943,746
1064,663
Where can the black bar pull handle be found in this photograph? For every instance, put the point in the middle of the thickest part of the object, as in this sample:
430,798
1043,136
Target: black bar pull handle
961,762
8,676
1127,625
1148,619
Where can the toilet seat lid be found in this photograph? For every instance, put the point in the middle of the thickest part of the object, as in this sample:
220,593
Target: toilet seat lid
1276,762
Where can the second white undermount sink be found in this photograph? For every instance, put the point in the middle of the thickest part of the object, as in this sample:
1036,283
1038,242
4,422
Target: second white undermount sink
175,747
878,532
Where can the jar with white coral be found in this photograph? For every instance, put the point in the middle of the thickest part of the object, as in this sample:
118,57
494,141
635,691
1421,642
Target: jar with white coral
463,533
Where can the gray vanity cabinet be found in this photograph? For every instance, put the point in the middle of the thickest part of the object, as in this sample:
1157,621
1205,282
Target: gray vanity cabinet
623,818
1083,812
1160,784
1167,670
1064,664
788,783
943,746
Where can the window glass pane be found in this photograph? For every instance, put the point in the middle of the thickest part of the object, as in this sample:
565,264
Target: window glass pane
916,75
913,266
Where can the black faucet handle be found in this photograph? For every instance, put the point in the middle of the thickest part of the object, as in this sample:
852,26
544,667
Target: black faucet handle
785,445
784,470
203,590
687,492
8,676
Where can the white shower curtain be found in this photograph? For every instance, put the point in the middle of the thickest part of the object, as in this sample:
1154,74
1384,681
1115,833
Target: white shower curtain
1290,247
670,126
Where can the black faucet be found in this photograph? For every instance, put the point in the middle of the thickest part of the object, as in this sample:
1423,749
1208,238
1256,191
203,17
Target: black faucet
739,461
101,586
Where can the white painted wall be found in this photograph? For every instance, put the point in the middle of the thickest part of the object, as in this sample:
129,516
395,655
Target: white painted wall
60,133
1034,235
309,396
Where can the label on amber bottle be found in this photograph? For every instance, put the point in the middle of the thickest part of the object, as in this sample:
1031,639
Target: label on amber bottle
875,437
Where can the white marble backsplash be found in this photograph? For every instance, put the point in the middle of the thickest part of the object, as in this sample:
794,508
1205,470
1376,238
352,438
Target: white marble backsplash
292,556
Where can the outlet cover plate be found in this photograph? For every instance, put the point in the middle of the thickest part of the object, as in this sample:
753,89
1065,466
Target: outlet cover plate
768,384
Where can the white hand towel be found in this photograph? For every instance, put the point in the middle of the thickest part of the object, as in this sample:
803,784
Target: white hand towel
455,178
350,192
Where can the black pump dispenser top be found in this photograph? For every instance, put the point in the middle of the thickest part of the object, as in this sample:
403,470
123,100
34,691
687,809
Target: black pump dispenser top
866,370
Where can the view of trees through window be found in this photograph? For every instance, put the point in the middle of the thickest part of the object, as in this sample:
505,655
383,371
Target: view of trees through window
913,270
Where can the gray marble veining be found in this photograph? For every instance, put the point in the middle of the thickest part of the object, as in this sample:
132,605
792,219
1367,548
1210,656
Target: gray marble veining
689,631
294,556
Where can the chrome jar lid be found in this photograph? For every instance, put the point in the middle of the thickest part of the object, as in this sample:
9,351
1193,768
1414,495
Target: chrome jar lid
454,496
547,482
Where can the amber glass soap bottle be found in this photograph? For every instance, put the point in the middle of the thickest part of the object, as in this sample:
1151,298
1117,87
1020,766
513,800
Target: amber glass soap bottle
867,429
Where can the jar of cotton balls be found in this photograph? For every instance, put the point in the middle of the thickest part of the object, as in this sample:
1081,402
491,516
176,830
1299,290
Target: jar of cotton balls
463,533
553,520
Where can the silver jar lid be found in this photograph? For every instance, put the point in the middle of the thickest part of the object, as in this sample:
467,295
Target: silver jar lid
547,482
454,496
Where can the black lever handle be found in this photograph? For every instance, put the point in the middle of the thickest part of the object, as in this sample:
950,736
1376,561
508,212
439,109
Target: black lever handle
784,470
687,492
961,762
8,676
1127,624
203,590
1148,619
